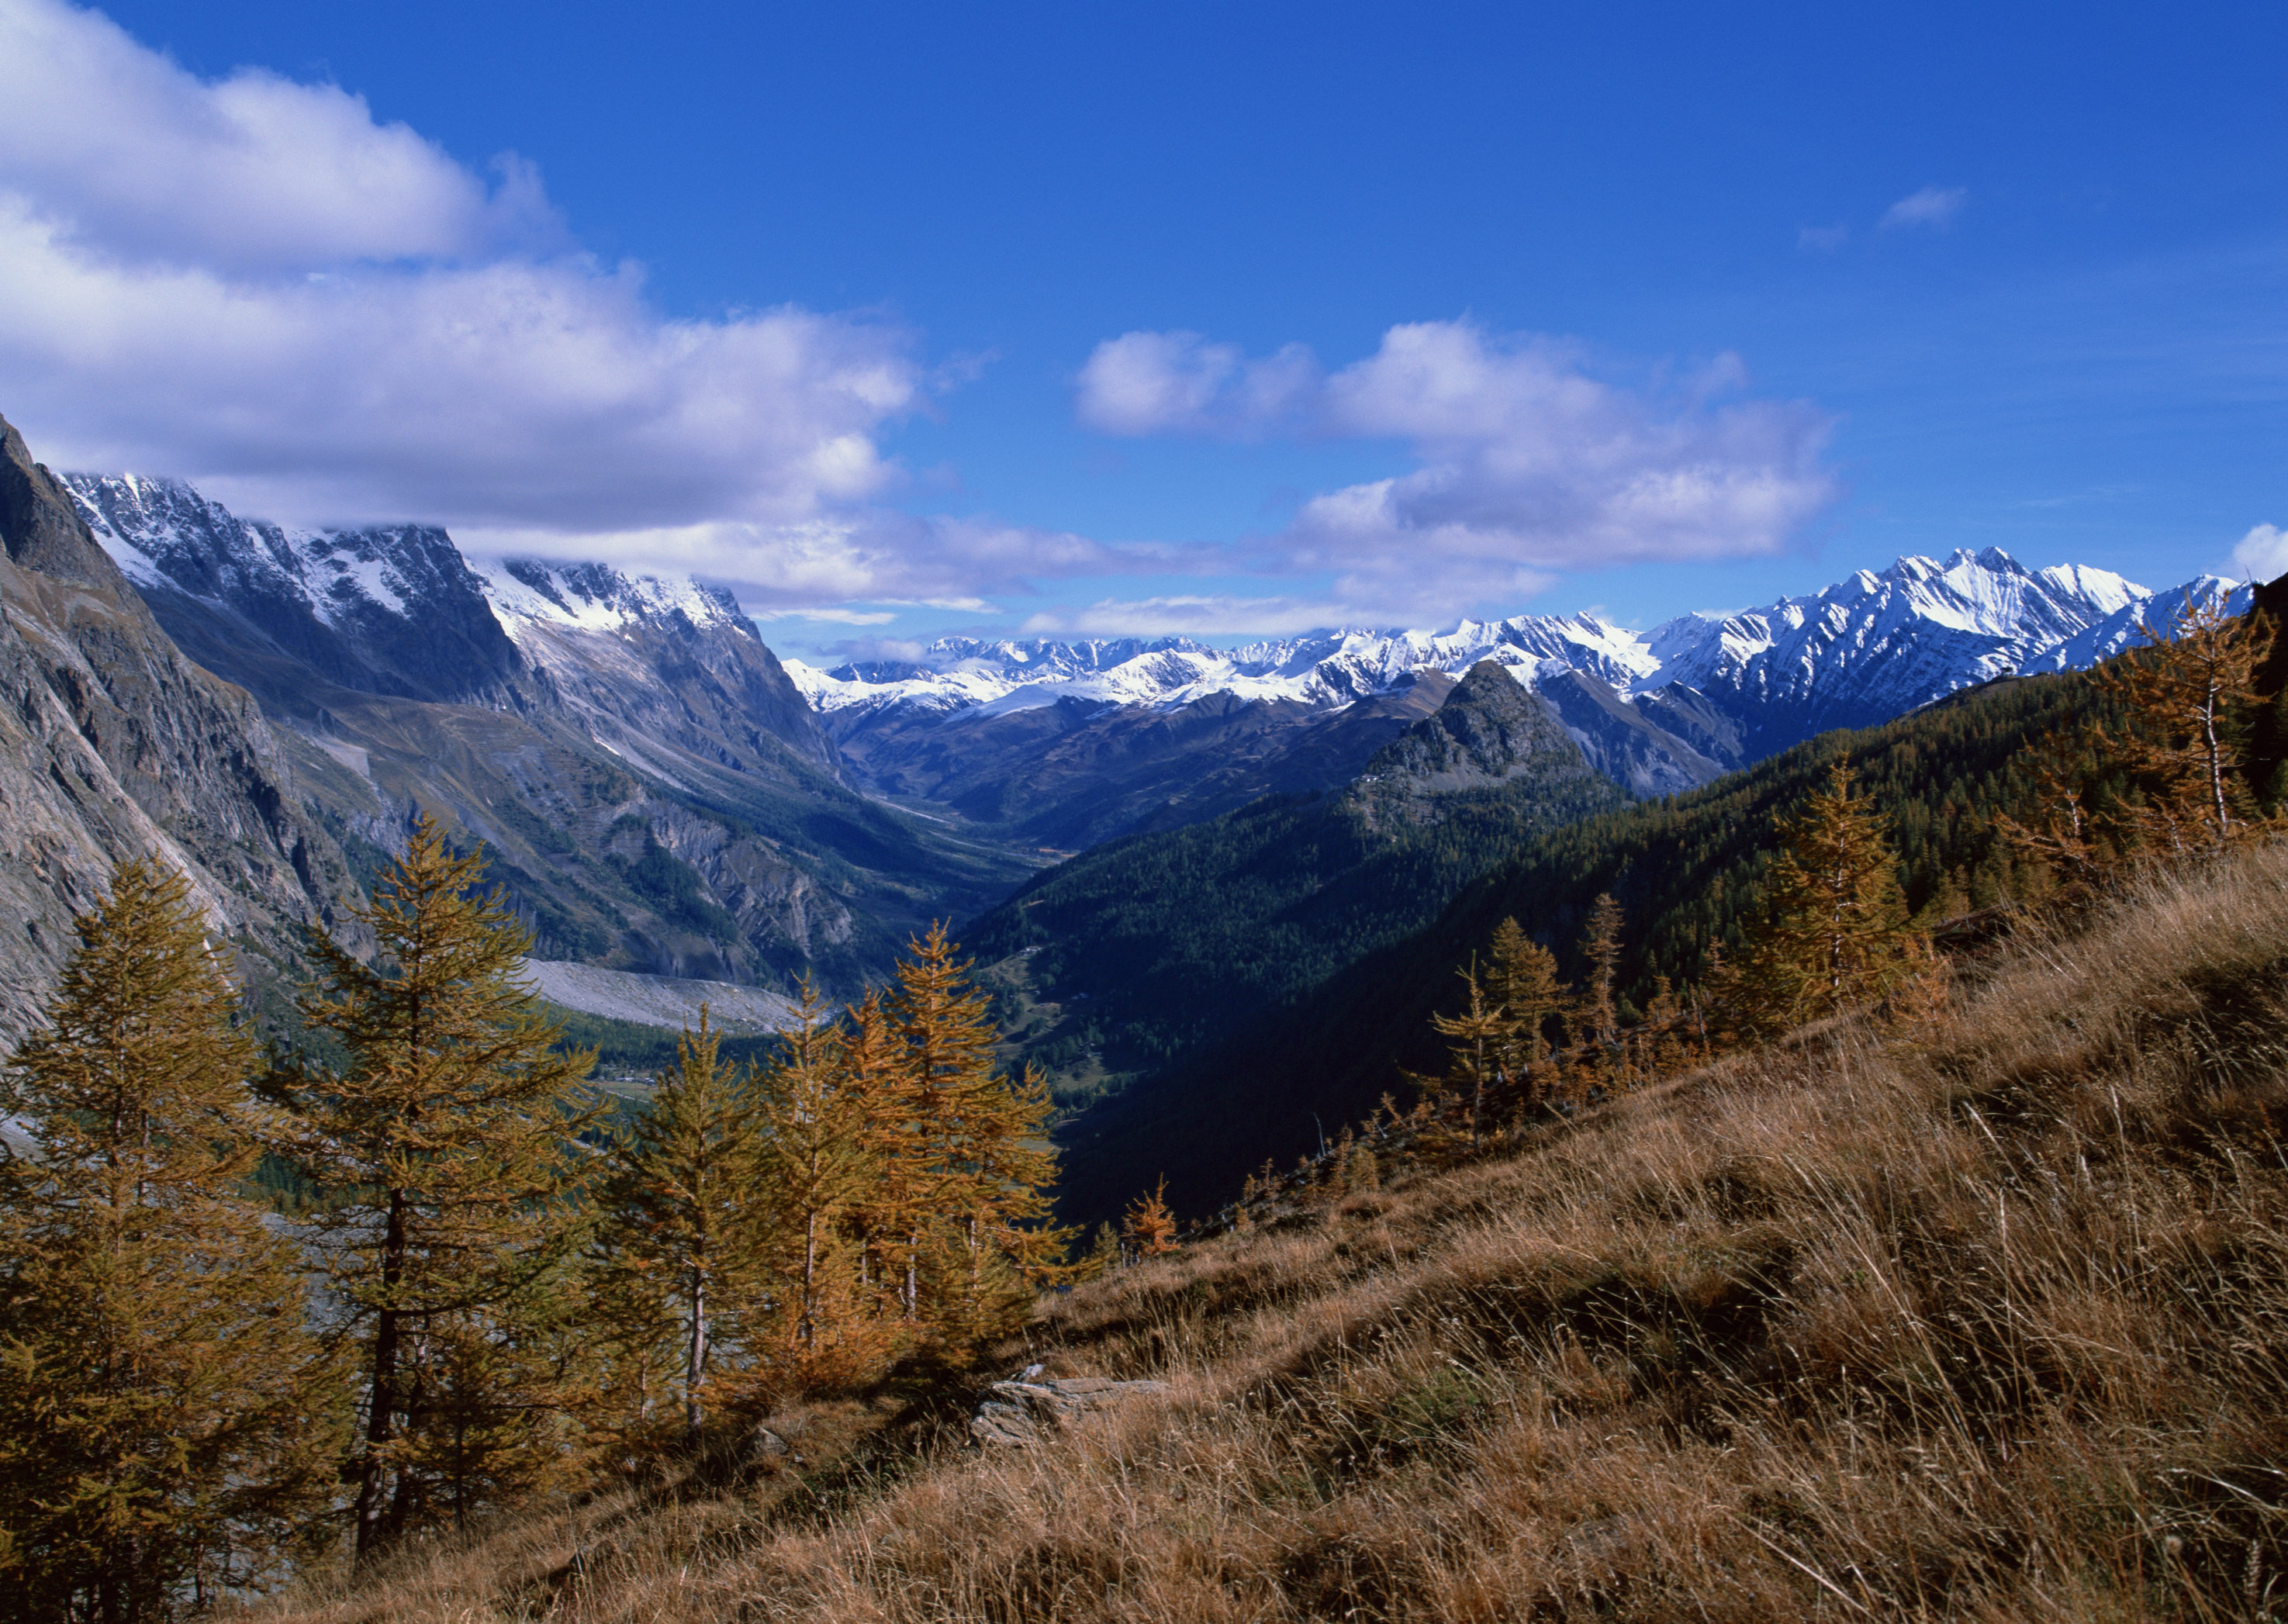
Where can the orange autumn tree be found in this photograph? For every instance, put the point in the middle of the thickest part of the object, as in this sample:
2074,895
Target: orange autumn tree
978,1240
168,1423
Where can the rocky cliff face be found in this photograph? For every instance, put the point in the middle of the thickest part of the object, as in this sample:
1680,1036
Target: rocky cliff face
1490,732
114,745
390,609
656,795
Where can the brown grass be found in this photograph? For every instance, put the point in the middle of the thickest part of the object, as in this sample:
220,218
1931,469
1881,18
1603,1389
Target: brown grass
1985,1322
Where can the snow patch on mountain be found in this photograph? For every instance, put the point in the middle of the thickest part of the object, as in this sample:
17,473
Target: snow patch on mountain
1906,635
598,598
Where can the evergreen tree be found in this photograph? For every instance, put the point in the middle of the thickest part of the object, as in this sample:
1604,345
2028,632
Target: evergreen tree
449,1128
1835,933
678,1247
167,1417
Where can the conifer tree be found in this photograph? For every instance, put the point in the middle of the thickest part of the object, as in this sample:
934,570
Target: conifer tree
985,1165
1522,979
450,1126
1601,947
1149,1227
1103,1254
2189,697
1481,1032
168,1418
677,1242
814,1172
889,1217
1836,933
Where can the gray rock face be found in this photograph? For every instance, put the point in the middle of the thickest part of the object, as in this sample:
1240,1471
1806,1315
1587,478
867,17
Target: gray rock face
1024,1412
657,795
390,609
113,745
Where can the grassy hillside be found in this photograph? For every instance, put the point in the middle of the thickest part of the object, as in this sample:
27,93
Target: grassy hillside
1684,869
1986,1319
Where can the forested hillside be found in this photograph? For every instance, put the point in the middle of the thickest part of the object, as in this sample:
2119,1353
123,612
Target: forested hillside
1976,1319
1145,948
1685,872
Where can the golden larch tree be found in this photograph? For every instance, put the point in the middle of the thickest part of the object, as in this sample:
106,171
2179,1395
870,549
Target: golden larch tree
167,1421
449,1130
1835,931
2189,696
677,1244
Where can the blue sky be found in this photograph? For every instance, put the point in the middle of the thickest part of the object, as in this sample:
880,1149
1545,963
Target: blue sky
1156,318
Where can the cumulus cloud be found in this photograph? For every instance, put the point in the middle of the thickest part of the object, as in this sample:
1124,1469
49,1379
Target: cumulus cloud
1933,206
1178,383
1526,462
325,319
871,556
2262,554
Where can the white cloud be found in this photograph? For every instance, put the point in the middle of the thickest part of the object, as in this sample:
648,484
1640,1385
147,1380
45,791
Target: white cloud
1526,462
1178,383
252,173
1933,206
1200,615
1822,239
321,319
867,556
2262,554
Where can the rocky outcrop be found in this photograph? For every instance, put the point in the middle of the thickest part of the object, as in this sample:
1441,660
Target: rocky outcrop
1026,1411
113,745
391,609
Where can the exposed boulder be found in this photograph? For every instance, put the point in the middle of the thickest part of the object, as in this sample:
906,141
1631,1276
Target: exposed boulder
1025,1411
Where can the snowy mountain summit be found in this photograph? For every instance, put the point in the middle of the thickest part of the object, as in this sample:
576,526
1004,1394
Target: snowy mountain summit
1870,647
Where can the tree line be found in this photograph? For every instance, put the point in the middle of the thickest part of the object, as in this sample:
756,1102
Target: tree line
499,1292
1845,873
2159,773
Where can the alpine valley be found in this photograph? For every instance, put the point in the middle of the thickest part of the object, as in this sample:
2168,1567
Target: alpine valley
1142,841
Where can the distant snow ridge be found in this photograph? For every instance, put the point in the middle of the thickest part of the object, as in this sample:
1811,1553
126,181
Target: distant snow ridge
162,533
1874,645
598,598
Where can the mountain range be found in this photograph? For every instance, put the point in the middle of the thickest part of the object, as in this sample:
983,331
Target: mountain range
662,796
1072,743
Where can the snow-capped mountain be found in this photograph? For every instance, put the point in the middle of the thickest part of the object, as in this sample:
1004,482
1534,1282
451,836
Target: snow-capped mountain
656,793
389,609
1656,711
1875,643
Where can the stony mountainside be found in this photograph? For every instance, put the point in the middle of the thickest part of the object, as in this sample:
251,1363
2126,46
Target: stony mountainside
1490,732
993,728
113,745
658,797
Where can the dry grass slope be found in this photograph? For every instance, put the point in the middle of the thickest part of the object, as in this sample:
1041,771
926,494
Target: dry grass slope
1985,1322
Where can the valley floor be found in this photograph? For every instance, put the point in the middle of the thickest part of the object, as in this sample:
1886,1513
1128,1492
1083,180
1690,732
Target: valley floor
1986,1320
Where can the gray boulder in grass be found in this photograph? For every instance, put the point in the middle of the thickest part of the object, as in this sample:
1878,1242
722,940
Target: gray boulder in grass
1024,1411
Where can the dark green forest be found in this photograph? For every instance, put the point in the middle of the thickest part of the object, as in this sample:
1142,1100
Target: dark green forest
1686,870
1153,945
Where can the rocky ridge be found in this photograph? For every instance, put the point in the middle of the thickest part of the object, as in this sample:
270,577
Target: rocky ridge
112,745
988,728
657,796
